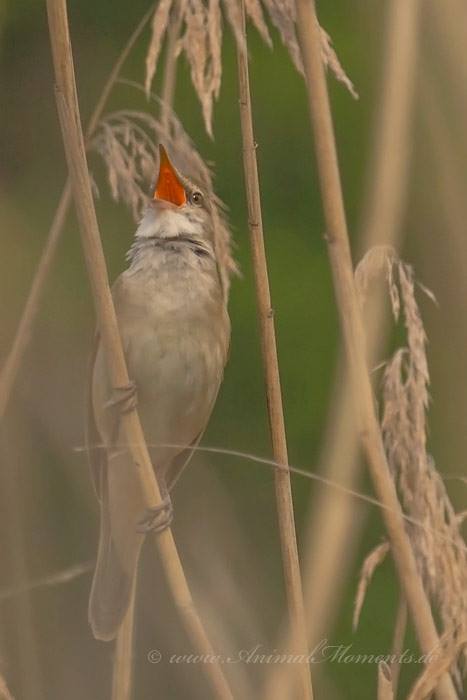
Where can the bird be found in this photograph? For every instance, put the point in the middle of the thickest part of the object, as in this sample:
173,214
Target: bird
171,308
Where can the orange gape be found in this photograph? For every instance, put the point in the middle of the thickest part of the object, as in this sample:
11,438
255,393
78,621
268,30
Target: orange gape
169,188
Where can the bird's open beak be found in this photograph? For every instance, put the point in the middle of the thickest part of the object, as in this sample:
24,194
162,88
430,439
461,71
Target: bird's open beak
168,188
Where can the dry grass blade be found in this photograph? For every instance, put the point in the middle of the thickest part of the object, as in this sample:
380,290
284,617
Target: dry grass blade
159,25
351,322
123,661
385,690
201,41
57,579
444,659
171,62
272,463
70,123
332,62
404,424
284,502
255,12
371,563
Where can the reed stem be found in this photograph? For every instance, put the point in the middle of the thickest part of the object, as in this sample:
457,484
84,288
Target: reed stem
284,501
123,661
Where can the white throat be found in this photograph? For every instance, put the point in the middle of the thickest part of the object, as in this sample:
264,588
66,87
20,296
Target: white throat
165,222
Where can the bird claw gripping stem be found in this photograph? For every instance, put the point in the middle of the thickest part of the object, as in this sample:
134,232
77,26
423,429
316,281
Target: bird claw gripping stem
157,519
124,398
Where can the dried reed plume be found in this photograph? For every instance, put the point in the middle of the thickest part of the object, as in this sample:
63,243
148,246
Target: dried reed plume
127,142
439,547
201,41
426,683
371,563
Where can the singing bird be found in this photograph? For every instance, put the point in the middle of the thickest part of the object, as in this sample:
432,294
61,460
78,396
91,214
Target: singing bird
171,309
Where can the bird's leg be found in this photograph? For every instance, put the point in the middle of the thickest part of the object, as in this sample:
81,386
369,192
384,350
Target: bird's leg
124,400
157,519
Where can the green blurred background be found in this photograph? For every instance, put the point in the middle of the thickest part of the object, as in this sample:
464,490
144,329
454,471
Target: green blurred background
49,514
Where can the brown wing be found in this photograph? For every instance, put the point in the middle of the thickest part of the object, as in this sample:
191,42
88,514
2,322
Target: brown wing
179,463
97,454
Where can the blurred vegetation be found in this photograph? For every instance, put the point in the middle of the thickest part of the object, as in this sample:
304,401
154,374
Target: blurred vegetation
50,512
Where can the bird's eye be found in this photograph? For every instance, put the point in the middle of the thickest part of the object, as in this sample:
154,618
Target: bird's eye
196,199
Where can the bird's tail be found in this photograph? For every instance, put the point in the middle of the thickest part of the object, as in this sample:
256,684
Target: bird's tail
119,547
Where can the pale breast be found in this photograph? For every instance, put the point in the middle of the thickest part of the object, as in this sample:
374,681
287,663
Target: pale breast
175,330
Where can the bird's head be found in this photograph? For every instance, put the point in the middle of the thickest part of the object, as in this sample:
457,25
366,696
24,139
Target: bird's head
178,207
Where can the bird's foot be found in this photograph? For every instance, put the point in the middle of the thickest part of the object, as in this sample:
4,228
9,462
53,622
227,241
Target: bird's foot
157,519
123,398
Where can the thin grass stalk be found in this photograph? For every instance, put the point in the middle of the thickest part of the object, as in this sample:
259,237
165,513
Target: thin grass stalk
67,103
123,660
56,579
353,336
385,688
25,328
272,377
398,637
123,663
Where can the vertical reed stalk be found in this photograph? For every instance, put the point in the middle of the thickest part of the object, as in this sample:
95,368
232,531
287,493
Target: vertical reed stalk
123,662
25,328
385,687
389,175
272,377
67,102
353,335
